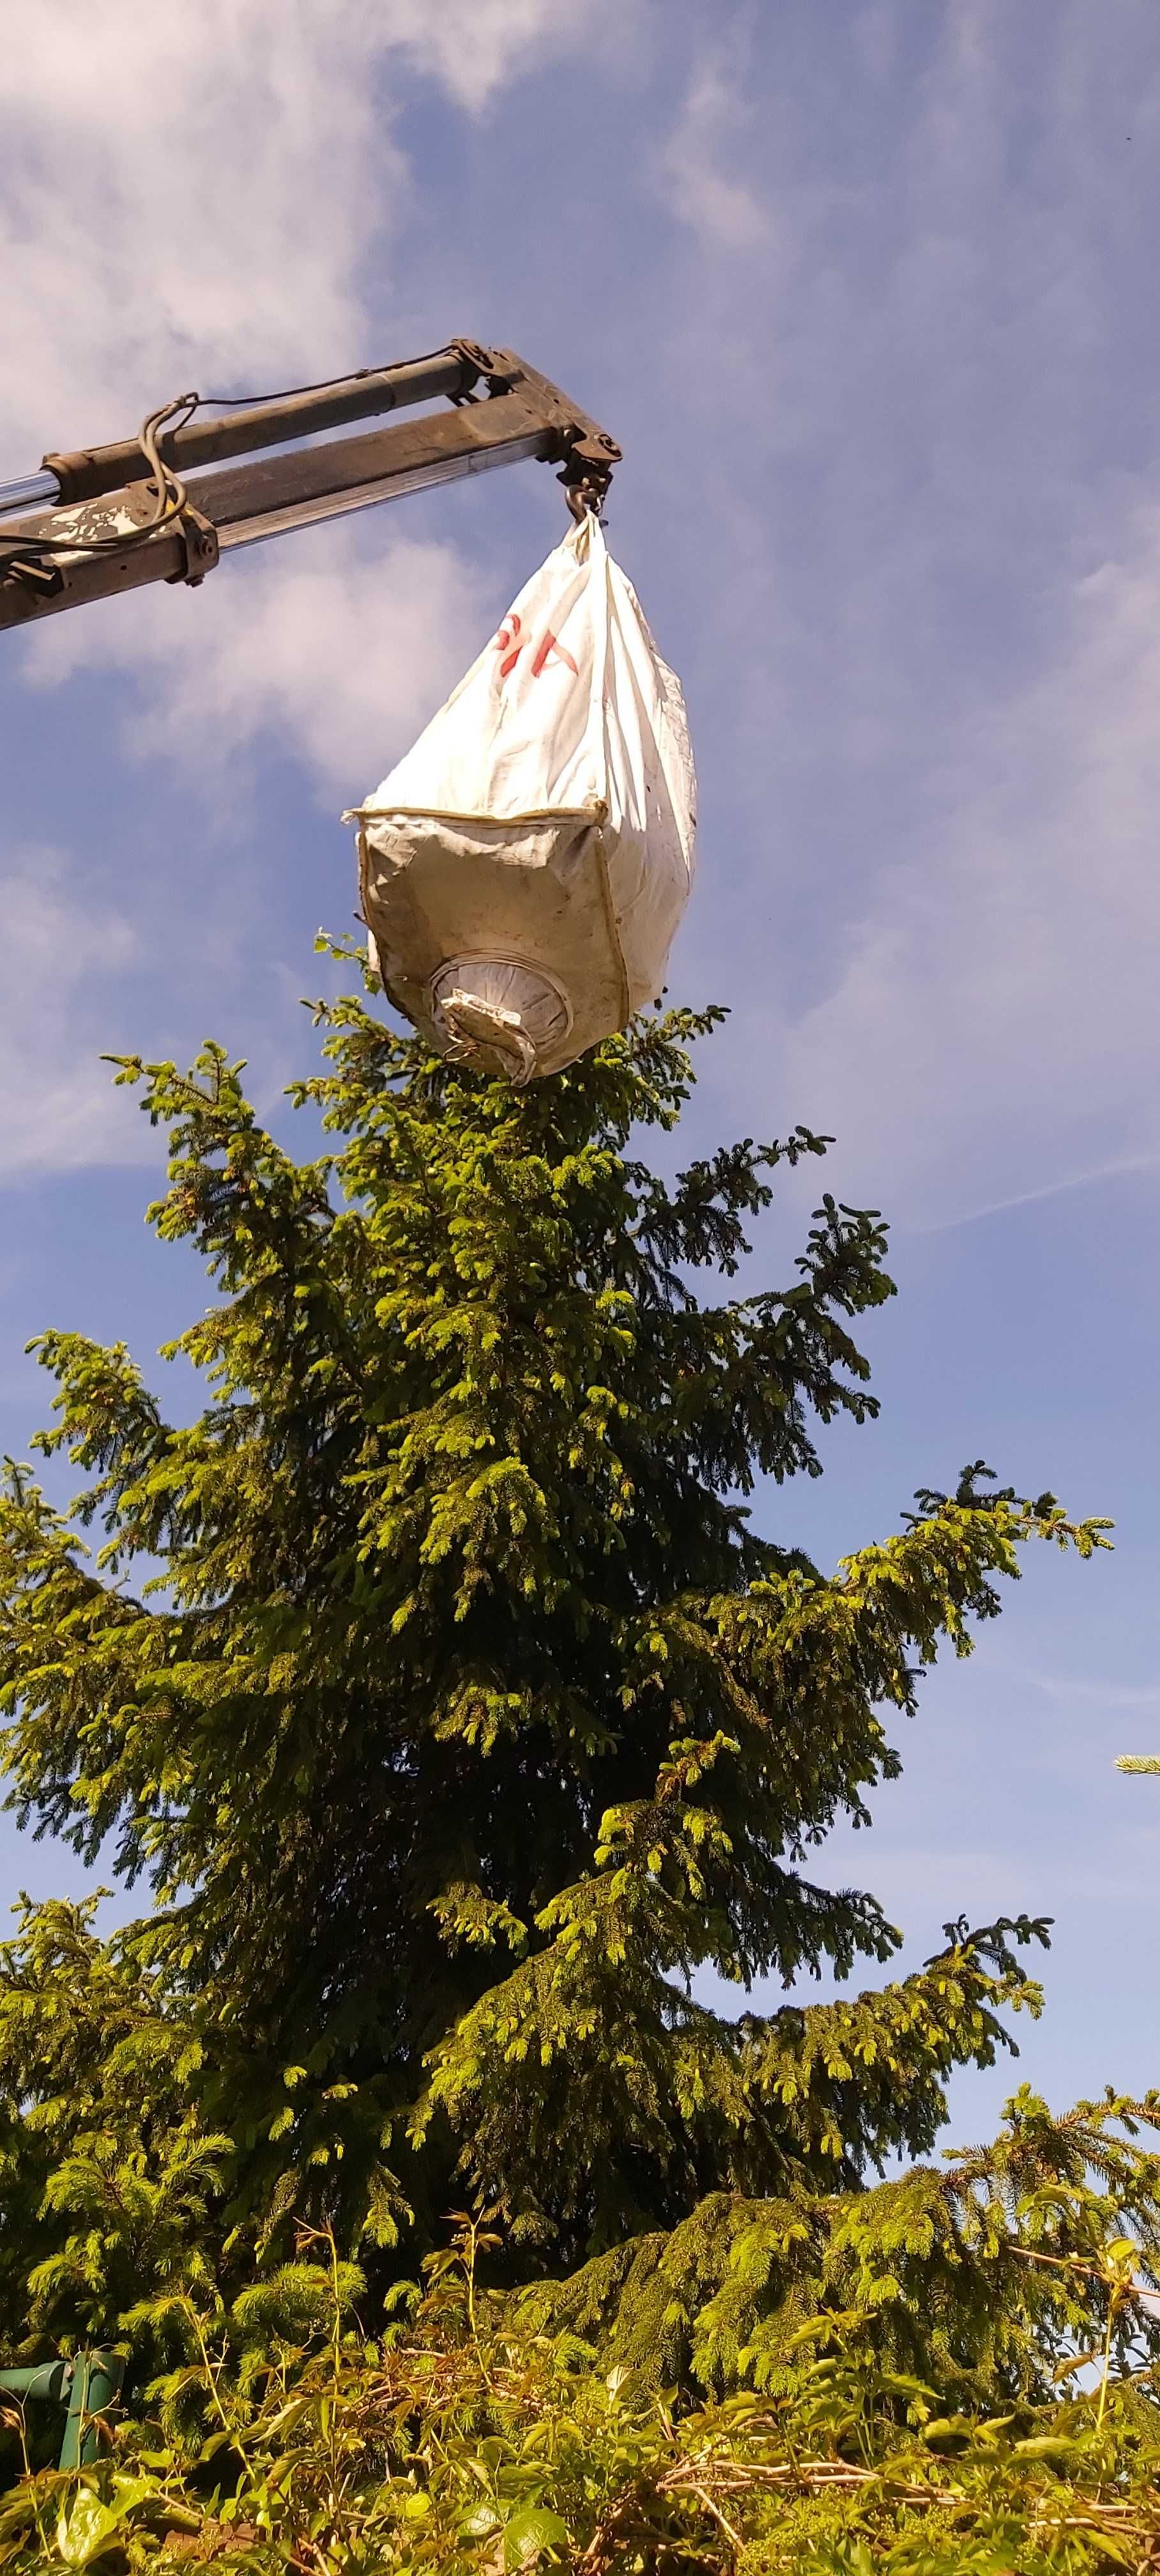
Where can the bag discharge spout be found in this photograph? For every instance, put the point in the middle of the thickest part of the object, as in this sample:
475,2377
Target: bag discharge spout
523,869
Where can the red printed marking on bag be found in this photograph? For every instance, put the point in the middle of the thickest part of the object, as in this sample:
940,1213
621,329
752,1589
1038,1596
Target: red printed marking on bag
550,645
507,636
510,643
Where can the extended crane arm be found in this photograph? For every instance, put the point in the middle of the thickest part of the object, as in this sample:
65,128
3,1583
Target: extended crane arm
155,509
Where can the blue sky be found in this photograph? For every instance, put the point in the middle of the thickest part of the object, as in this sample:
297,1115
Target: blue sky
867,294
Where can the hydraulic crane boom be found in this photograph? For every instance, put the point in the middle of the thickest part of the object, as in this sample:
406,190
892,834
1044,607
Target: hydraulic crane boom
153,508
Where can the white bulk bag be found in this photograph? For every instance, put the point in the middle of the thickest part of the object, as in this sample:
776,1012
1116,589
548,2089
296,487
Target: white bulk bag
524,868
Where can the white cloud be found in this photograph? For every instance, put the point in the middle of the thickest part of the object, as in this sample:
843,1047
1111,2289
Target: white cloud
697,168
474,45
336,654
183,197
192,192
57,954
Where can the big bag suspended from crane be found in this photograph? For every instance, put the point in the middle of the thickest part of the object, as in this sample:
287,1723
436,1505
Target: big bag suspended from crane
524,869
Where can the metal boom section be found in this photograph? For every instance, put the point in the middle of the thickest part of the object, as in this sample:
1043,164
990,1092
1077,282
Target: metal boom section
167,505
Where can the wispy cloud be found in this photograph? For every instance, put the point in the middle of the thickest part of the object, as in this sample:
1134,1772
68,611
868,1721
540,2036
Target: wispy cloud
1002,983
699,168
1094,1694
1121,1166
336,655
59,954
196,191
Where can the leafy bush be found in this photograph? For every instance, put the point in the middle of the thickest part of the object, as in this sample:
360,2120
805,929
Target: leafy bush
465,2442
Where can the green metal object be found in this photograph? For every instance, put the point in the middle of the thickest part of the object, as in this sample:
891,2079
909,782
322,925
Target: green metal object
95,2386
85,2387
46,2379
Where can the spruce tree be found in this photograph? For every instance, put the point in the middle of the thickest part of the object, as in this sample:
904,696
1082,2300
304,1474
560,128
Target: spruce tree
439,1685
